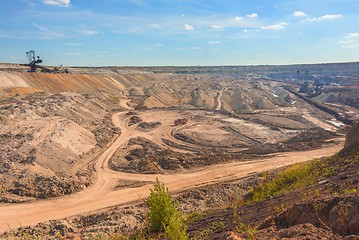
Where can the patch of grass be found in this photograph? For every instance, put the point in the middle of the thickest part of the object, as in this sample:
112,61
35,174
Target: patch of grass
263,174
100,236
247,231
349,191
190,218
296,176
216,226
20,235
114,99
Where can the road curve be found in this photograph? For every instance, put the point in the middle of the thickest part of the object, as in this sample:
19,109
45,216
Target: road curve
102,194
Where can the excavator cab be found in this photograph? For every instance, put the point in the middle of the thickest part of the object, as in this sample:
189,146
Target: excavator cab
38,60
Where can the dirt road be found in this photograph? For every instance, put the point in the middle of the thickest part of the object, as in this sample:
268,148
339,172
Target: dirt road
102,194
218,102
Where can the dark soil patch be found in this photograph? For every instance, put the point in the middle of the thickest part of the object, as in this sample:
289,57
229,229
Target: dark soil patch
148,125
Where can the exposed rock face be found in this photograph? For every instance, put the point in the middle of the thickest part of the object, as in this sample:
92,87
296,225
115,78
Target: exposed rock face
339,214
352,138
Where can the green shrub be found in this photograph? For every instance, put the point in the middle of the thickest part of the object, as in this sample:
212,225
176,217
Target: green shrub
296,176
176,229
163,214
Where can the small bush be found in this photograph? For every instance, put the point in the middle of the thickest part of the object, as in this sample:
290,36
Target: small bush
163,214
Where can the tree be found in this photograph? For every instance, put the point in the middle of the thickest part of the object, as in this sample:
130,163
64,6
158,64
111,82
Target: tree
163,214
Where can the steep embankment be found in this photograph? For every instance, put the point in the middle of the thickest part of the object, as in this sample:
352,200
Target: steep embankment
317,200
50,82
352,138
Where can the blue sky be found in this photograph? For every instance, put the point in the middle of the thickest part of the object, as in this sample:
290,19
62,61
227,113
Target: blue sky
179,32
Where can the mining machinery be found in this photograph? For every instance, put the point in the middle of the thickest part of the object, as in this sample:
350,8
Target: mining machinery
32,60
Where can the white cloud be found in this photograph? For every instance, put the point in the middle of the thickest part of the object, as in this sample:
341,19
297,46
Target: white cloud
253,15
275,26
46,33
60,3
39,27
352,35
325,17
346,42
350,46
331,17
188,27
154,25
352,41
238,19
88,32
216,27
214,42
74,53
299,14
16,58
73,44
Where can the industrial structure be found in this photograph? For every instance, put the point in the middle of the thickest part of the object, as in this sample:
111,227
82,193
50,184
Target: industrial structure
32,60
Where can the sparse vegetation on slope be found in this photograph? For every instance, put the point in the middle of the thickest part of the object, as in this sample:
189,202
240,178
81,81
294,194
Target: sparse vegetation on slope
318,198
296,176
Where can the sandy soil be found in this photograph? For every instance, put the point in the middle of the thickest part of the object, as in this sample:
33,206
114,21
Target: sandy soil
102,194
259,115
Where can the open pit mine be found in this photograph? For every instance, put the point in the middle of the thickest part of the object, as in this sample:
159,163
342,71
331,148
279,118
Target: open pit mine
82,147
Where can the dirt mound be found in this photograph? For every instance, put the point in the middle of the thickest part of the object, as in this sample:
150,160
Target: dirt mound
160,100
352,138
135,91
45,141
305,231
154,89
45,187
338,214
202,99
134,120
149,125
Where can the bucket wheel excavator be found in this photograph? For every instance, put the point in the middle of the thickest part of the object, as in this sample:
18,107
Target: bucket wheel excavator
33,61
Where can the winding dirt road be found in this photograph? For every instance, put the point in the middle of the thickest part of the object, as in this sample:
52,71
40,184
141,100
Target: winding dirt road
102,193
218,102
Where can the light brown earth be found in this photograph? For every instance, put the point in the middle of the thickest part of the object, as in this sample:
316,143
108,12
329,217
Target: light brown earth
64,132
101,194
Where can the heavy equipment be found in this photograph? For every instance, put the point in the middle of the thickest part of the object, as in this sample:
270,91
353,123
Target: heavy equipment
32,60
180,121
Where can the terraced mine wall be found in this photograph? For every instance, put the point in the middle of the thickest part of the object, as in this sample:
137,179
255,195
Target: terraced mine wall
323,108
52,82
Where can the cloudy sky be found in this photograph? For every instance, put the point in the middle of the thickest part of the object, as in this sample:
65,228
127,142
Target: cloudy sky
179,32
